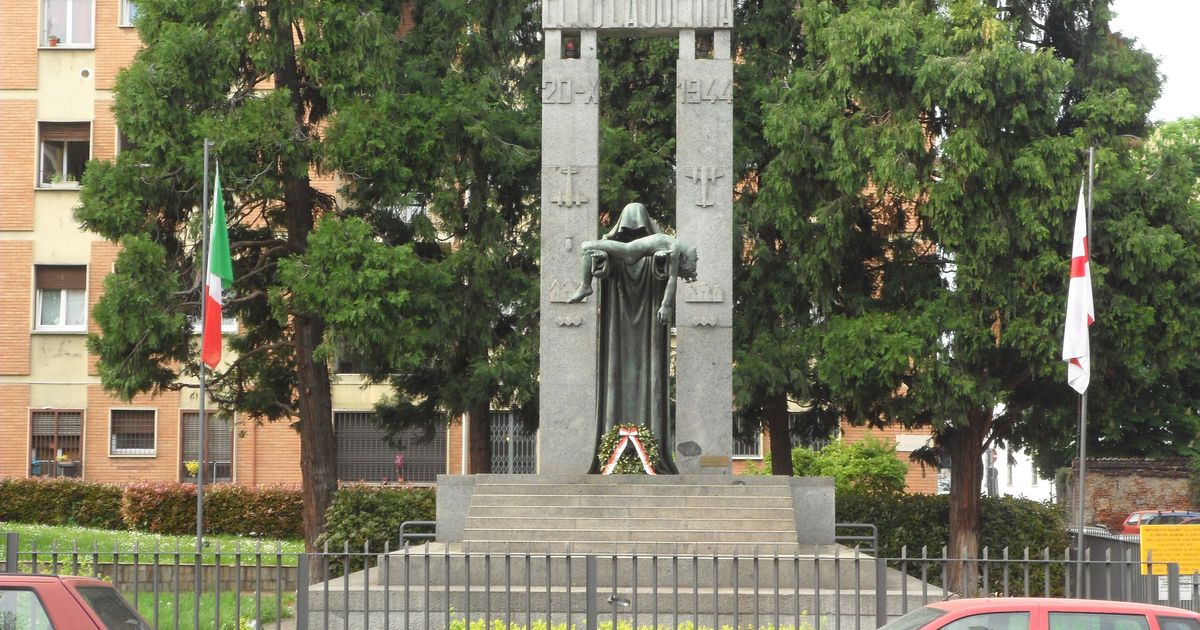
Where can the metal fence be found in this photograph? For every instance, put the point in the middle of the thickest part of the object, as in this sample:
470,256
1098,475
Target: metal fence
556,586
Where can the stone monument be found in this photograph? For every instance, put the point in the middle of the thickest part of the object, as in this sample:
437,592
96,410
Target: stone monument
573,365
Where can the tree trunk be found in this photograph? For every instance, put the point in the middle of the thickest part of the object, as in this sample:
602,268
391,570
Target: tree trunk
479,440
965,447
781,435
318,446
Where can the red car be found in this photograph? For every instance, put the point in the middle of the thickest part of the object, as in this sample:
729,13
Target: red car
1133,523
46,602
1040,613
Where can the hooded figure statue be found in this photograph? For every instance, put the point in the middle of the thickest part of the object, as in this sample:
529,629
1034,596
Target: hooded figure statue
634,343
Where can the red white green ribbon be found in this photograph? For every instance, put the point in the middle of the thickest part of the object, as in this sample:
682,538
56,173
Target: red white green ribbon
628,436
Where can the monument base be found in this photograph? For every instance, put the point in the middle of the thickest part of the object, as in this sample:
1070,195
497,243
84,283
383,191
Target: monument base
671,509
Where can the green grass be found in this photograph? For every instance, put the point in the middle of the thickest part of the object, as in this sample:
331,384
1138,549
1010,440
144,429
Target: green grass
102,542
166,610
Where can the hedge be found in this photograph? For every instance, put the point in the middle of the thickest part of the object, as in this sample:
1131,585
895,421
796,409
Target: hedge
372,515
156,507
61,501
909,522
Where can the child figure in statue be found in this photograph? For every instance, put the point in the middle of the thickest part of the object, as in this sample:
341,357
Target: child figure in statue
681,264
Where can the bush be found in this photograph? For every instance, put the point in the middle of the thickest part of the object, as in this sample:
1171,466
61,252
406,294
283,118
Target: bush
60,502
910,522
869,466
372,515
160,507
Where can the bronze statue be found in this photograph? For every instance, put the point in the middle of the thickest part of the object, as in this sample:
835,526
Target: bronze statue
639,267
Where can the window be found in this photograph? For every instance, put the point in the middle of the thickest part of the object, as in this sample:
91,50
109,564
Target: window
514,448
1097,621
21,608
808,434
129,12
114,611
747,439
132,432
61,298
1178,623
218,442
991,621
66,147
55,443
364,454
68,22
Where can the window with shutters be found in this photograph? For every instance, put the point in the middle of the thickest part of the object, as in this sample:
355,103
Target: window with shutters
56,443
61,298
132,432
69,23
218,447
65,149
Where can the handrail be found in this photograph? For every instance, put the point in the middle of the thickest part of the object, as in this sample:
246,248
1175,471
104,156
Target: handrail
405,536
873,538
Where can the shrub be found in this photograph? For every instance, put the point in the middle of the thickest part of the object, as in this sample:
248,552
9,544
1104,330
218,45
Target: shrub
60,502
869,466
274,510
372,515
160,507
910,522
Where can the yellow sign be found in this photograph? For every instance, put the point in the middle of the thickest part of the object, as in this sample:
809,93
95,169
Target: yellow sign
1162,544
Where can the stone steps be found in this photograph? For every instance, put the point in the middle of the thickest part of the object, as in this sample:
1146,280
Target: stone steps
632,508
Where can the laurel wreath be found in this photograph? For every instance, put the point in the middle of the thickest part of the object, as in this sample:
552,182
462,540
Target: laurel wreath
629,464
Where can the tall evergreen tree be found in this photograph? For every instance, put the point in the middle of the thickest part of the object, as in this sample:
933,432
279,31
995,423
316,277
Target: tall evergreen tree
266,80
929,157
459,141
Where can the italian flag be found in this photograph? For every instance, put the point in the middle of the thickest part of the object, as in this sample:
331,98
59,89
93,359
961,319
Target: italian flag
218,276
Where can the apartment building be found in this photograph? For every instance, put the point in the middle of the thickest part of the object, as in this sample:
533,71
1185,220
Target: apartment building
58,63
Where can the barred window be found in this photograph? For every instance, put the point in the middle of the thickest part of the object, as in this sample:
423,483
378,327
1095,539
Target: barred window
55,443
218,447
132,432
747,439
807,436
364,454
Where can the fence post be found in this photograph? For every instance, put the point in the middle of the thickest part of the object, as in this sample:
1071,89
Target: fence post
590,593
1173,584
302,591
11,540
881,614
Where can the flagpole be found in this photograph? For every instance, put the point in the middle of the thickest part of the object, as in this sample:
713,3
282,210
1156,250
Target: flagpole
200,455
1083,397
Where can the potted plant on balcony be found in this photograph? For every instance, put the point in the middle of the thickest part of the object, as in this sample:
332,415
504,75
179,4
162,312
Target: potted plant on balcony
53,40
63,180
193,468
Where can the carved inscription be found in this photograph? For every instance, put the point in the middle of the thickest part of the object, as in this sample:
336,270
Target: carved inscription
627,14
560,291
560,91
567,196
703,292
703,176
695,91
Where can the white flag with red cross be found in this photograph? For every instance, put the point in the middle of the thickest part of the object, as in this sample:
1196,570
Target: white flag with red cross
1080,314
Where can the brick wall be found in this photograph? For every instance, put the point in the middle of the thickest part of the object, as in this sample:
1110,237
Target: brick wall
104,131
19,34
267,453
454,446
115,45
99,466
1116,487
18,156
104,253
16,305
14,426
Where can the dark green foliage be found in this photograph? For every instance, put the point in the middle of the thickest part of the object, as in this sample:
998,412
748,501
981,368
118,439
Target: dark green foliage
60,502
369,515
912,524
